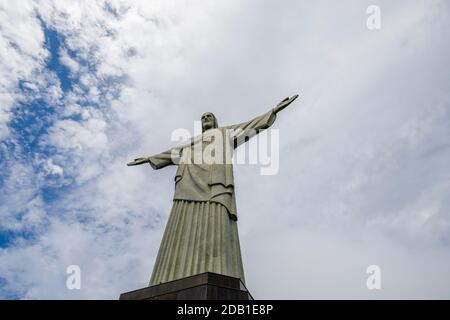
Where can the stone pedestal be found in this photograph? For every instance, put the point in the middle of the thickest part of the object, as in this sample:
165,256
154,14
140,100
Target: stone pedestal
204,286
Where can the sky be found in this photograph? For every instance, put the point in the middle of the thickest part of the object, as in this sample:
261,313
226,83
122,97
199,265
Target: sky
364,174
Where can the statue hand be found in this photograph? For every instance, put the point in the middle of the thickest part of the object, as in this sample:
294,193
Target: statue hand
283,104
138,161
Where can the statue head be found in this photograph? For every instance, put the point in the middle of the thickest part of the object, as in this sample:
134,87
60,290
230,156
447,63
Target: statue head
209,121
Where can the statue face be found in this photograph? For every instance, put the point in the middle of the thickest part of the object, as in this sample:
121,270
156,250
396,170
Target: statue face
208,121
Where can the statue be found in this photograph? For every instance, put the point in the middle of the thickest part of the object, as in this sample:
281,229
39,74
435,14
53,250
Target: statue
201,234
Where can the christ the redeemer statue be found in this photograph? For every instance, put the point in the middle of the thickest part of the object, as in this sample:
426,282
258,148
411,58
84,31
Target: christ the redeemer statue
201,234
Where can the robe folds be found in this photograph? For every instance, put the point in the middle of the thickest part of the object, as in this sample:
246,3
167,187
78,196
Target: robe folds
201,234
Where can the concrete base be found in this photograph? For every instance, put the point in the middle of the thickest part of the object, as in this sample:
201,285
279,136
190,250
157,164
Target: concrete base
204,286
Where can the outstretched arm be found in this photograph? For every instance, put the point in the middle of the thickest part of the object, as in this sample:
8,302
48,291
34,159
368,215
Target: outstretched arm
160,160
283,104
242,132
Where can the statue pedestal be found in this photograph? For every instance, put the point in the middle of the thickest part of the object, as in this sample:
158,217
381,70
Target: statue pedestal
204,286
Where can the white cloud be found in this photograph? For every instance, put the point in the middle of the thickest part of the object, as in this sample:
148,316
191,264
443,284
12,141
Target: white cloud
52,168
81,146
363,153
21,207
21,53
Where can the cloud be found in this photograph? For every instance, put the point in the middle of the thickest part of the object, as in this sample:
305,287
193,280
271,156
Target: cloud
363,156
21,206
21,52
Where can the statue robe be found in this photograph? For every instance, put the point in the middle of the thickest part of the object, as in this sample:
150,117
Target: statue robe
201,234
